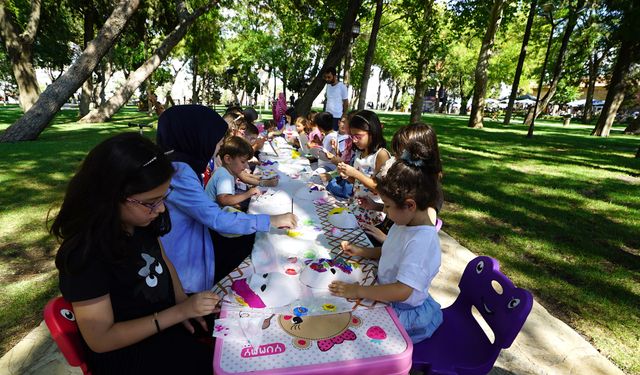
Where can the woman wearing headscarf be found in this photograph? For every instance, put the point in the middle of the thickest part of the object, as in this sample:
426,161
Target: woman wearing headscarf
192,132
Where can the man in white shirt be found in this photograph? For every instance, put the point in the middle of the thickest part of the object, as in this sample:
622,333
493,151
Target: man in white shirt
337,96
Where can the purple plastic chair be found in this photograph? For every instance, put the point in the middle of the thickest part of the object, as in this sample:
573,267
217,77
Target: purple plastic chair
459,345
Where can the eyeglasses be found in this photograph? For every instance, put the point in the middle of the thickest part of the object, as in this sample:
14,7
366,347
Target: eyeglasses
154,205
357,137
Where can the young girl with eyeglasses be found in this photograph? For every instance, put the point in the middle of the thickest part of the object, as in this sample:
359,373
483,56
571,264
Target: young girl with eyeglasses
370,156
410,257
127,298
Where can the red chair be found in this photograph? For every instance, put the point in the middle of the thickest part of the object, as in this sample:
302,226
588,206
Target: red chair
58,314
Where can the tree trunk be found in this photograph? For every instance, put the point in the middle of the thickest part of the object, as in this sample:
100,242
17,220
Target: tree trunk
368,58
33,122
275,82
594,67
436,104
19,47
557,69
336,53
479,91
122,95
107,70
284,82
87,87
98,87
379,89
420,86
346,74
194,81
394,104
523,54
389,100
617,86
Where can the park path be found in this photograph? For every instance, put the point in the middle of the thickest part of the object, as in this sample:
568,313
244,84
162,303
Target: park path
545,345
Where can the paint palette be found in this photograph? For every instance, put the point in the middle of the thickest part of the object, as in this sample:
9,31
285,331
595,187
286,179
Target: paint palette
321,272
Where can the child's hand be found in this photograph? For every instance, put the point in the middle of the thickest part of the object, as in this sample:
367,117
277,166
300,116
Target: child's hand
374,232
199,304
350,249
254,191
346,170
342,289
329,154
288,220
270,182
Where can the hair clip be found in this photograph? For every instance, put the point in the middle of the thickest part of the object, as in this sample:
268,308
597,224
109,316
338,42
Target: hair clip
406,157
238,118
363,119
156,157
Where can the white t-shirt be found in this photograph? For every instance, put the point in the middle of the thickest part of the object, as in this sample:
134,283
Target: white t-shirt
342,144
410,255
222,182
385,167
326,144
335,95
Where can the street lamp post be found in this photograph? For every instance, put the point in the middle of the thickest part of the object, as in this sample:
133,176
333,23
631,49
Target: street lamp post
355,31
548,13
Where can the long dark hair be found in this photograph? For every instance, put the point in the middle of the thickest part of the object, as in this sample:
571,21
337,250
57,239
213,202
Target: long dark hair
414,175
89,218
368,121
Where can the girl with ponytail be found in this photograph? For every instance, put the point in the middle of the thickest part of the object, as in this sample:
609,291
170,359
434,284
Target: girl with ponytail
409,258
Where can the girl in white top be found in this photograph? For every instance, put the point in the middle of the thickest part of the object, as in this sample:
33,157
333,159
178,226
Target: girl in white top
410,256
426,135
366,133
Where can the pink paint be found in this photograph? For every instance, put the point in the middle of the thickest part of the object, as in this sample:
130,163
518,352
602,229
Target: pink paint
262,350
241,287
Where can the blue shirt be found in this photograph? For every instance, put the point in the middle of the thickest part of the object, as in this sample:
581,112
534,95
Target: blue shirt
222,182
188,245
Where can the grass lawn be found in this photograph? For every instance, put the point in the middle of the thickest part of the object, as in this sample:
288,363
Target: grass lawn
561,212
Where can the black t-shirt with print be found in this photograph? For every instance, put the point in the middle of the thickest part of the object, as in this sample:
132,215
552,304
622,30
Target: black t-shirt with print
138,285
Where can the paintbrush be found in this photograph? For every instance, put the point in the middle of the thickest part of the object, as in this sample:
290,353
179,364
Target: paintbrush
274,149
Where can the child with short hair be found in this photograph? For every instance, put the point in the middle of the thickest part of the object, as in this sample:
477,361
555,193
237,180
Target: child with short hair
324,121
410,257
221,188
343,144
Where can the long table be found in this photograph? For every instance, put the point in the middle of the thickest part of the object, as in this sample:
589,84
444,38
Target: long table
362,337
